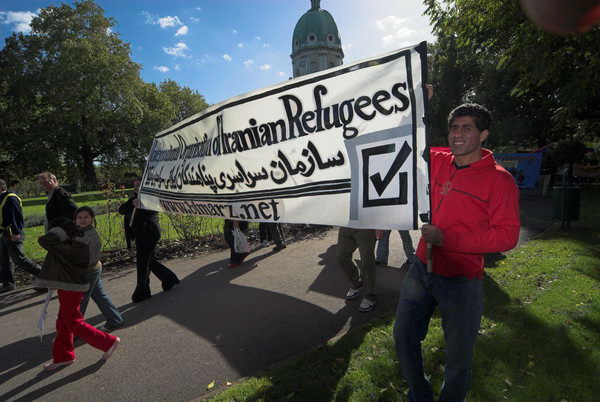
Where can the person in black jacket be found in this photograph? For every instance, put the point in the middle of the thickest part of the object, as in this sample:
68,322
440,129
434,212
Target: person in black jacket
147,234
12,235
59,202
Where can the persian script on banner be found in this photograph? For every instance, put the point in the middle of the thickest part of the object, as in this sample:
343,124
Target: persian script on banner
340,147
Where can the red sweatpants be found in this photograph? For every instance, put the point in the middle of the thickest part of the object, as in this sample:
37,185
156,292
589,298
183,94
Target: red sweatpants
70,323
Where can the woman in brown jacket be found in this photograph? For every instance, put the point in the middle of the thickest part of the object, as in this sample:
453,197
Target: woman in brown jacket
64,267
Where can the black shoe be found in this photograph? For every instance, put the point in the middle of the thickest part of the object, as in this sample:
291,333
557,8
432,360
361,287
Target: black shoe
279,247
140,295
7,287
106,329
41,290
169,285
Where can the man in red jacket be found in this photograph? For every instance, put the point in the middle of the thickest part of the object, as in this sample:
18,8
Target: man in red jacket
475,210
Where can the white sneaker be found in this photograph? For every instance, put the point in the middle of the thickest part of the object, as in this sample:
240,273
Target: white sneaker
352,293
366,305
110,351
265,243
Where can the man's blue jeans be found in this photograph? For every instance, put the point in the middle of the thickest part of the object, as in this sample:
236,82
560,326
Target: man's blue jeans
461,307
102,300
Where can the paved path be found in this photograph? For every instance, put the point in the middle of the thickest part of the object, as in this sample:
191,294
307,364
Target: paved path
219,325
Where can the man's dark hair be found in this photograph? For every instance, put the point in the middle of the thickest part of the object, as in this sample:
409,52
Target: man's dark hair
481,116
3,185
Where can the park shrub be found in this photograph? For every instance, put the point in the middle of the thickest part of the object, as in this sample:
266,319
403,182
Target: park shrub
189,228
34,220
112,231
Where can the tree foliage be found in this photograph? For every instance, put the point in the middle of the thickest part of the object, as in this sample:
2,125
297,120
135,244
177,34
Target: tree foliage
71,96
540,87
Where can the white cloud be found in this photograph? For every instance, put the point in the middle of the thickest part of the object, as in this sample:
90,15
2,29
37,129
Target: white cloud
169,21
162,69
182,31
266,45
395,29
405,43
240,45
20,19
391,22
164,22
194,20
177,67
281,74
257,38
178,50
149,17
234,31
265,67
198,8
397,36
249,62
206,58
227,57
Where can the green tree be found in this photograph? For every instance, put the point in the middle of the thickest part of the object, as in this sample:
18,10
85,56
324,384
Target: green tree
71,96
185,102
541,87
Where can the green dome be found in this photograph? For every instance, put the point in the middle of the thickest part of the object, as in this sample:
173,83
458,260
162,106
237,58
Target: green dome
315,28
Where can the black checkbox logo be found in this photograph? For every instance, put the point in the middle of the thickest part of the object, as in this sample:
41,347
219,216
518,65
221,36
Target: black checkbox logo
392,177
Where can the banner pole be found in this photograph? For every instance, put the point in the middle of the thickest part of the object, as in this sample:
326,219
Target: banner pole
427,95
133,215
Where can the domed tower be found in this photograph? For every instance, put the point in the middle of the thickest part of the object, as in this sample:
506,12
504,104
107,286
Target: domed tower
316,43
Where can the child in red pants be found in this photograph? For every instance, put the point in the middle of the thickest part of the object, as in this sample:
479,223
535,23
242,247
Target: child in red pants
63,269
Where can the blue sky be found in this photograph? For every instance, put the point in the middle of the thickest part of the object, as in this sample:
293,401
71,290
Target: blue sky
223,48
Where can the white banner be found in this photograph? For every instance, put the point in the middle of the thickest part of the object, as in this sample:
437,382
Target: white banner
339,147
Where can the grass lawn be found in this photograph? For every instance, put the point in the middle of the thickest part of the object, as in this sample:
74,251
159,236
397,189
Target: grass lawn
539,339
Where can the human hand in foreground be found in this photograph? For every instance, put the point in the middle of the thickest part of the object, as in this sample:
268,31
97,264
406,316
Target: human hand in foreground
432,235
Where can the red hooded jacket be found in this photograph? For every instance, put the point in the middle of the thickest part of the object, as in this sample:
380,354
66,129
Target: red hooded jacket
477,208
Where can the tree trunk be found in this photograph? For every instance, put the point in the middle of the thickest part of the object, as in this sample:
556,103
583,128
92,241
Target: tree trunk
88,169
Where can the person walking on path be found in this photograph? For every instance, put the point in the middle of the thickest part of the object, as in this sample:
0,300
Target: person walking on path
86,222
147,234
64,269
363,278
12,236
383,246
475,210
229,225
277,235
547,173
59,202
264,234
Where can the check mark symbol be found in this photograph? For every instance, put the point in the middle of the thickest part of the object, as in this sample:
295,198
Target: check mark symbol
381,184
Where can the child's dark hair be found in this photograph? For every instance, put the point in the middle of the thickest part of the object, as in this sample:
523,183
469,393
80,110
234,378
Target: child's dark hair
67,225
481,116
90,211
